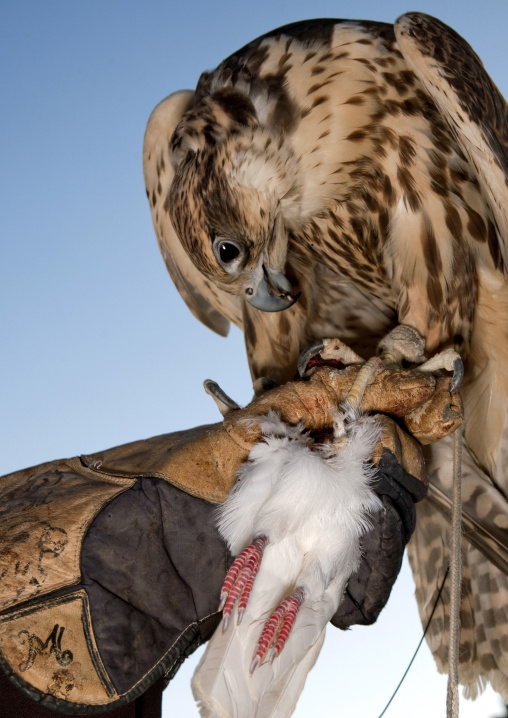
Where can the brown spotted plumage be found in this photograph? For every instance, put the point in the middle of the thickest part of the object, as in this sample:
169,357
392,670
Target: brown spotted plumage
355,174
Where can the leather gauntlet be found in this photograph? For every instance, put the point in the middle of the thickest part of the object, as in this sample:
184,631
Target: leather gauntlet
422,404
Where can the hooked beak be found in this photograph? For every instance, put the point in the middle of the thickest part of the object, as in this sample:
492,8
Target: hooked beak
273,292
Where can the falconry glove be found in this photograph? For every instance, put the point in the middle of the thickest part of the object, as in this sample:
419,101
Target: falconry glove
112,563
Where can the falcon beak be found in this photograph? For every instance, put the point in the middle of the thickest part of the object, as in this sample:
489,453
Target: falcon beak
273,292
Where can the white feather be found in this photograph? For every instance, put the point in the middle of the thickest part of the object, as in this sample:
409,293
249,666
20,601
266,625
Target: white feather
313,503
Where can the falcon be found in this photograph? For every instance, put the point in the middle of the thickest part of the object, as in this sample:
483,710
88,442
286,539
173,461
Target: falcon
339,178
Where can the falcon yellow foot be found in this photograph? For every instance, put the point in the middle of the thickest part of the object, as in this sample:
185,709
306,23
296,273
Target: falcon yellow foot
404,343
332,352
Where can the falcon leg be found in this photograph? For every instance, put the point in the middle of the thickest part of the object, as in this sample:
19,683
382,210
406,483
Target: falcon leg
240,579
405,343
277,629
402,343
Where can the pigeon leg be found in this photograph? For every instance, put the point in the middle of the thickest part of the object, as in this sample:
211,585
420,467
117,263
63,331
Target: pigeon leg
240,579
278,627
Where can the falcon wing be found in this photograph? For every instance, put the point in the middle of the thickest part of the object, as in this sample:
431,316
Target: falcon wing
212,306
477,113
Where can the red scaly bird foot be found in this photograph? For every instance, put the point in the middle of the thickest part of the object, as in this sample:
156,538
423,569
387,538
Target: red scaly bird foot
278,627
240,579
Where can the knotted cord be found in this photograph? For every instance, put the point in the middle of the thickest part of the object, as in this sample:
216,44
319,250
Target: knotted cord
452,697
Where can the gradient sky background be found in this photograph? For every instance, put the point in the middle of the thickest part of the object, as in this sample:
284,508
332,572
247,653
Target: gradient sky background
98,347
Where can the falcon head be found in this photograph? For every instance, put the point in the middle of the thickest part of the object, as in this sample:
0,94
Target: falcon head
232,197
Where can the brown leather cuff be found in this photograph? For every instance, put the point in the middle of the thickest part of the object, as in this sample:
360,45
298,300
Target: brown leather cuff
207,467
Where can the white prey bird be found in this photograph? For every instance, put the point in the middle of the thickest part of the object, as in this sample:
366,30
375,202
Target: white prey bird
300,508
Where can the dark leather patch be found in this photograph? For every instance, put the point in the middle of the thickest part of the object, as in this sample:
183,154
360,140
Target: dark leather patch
153,563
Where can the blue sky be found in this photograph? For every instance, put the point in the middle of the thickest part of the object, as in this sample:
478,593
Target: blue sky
98,348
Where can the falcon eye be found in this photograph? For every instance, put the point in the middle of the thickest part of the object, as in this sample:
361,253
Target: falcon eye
228,254
228,251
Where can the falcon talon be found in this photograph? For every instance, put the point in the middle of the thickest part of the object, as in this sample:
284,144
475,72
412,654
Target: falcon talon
450,360
330,350
224,403
458,374
308,354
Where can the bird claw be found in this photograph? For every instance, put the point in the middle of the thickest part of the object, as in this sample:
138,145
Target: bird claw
450,360
458,374
224,403
309,353
277,629
240,579
335,351
330,350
